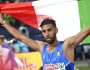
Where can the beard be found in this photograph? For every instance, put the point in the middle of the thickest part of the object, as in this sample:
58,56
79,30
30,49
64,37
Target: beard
52,40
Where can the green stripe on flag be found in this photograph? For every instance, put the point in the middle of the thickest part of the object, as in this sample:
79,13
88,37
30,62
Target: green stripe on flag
84,12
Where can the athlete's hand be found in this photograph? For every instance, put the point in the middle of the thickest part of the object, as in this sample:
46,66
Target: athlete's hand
1,18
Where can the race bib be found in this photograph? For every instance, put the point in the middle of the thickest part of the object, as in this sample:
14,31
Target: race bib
59,66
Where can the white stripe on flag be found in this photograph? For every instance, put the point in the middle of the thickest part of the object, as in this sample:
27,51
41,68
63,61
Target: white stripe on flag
65,12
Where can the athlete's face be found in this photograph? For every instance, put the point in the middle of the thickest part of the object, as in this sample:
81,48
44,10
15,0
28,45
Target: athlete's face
49,33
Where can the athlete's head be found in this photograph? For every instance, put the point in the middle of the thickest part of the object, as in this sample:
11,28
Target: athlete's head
49,30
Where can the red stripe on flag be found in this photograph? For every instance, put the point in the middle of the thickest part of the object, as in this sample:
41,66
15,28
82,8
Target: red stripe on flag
23,11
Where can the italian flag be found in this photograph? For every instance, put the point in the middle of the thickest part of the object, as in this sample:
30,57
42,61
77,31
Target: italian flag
71,16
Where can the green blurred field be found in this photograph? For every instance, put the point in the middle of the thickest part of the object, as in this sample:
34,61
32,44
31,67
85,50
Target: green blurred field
83,68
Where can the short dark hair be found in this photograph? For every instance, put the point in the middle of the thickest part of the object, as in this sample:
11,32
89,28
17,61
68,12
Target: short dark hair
48,21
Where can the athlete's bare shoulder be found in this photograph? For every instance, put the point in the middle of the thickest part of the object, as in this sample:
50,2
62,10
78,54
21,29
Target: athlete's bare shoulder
68,49
67,42
40,44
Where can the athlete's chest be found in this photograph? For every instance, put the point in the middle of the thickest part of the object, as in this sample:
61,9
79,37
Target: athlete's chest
54,57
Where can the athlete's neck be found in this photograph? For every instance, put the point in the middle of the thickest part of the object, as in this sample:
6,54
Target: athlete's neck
52,47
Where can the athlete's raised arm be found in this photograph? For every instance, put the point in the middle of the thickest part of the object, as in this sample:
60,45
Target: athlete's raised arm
78,38
36,45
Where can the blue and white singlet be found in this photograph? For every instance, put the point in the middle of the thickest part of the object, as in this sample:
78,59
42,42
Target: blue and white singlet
56,60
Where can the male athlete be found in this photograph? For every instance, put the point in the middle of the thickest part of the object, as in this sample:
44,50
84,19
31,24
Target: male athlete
56,55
